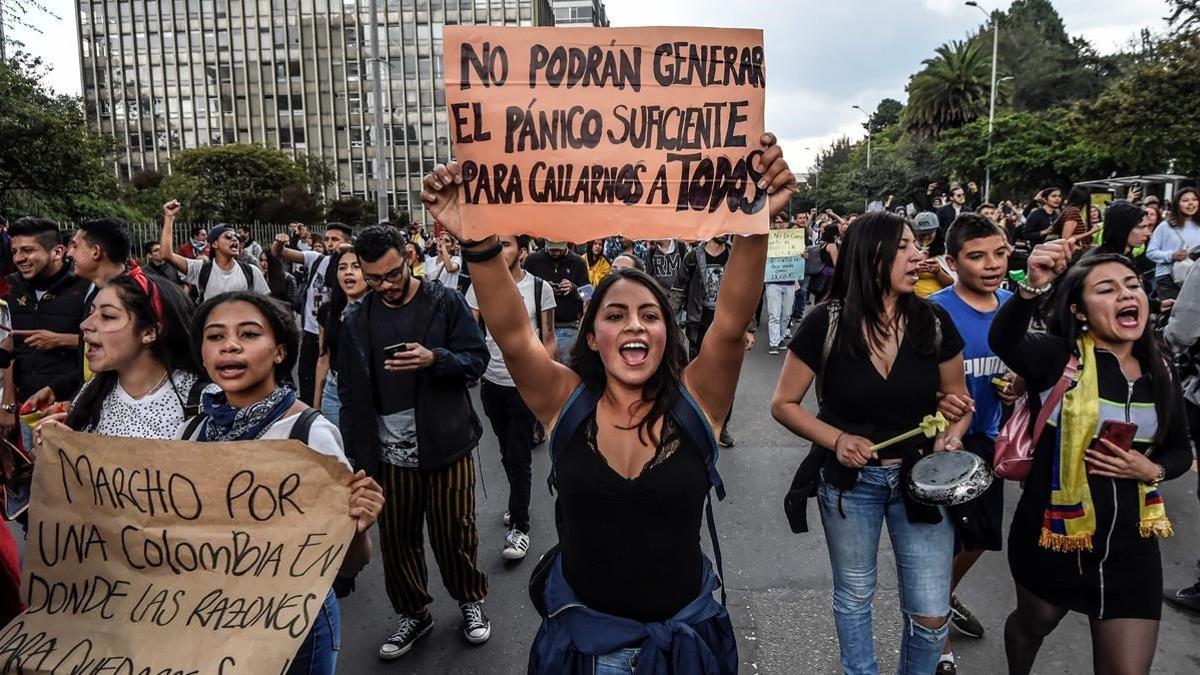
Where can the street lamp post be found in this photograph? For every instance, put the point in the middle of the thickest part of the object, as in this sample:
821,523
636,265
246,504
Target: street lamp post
870,123
381,172
987,181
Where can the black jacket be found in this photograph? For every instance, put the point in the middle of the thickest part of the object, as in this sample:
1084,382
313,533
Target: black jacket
447,426
571,267
60,310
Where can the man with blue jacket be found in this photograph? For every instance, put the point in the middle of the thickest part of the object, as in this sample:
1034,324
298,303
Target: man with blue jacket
409,348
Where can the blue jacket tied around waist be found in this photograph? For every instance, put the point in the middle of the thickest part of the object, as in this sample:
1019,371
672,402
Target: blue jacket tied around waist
699,639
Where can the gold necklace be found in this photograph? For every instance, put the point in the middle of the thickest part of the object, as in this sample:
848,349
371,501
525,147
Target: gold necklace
151,390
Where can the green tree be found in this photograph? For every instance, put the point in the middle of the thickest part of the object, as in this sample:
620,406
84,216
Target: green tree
51,162
887,114
1149,118
1029,151
951,90
240,184
322,174
1048,66
352,211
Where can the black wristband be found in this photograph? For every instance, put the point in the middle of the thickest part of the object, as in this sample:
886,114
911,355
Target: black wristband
484,255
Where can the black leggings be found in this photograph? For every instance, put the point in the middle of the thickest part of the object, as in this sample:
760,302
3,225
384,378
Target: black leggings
1119,646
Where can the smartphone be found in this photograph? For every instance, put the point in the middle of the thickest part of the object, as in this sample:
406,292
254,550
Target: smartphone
585,292
399,347
1120,434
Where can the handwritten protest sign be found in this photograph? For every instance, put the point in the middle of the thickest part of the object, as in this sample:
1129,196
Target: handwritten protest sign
582,133
785,255
164,557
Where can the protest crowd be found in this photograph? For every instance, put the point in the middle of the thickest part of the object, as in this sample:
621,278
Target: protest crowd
929,349
624,356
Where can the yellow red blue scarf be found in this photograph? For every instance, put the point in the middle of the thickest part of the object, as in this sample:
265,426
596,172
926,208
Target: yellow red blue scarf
1070,519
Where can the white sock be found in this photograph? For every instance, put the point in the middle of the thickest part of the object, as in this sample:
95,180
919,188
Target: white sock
948,657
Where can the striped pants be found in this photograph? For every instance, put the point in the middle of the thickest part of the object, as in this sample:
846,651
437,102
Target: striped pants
443,499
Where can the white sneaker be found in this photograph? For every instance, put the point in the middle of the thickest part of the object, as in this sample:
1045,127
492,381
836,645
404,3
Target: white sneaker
476,626
516,544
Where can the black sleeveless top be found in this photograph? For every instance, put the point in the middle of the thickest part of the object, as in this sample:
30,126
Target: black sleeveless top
631,548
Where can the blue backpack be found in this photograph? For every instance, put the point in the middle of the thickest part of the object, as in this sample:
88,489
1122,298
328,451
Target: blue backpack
691,421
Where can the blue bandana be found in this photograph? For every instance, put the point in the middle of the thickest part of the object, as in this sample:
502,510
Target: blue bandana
226,423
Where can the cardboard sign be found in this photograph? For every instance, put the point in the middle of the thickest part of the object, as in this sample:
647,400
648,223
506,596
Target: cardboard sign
579,134
172,557
785,255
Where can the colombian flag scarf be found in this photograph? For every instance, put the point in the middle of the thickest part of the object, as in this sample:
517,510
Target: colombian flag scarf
1070,518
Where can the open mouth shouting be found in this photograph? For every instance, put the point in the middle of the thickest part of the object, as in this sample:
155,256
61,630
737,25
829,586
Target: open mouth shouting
230,370
634,352
1129,317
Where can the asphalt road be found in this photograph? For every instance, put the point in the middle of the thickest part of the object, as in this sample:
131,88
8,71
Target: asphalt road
779,583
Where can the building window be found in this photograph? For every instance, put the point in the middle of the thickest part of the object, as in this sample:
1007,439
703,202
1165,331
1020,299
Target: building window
294,103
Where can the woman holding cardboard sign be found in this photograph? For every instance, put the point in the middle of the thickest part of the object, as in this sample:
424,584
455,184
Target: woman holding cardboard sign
248,343
632,450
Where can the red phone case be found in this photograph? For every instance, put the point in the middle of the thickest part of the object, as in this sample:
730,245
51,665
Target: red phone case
1120,434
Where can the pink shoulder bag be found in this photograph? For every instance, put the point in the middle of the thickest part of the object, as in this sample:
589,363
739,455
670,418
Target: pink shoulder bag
1015,442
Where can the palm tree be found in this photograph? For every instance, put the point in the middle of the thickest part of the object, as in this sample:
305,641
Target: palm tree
951,90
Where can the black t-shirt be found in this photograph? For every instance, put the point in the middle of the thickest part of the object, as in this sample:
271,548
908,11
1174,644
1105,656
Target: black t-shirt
1037,221
394,391
858,399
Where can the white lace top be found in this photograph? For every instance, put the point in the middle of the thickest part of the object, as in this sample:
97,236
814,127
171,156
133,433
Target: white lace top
159,414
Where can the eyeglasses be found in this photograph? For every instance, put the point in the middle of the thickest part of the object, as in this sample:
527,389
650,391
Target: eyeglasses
393,276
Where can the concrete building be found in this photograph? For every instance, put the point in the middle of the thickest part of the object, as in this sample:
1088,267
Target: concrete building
162,76
580,13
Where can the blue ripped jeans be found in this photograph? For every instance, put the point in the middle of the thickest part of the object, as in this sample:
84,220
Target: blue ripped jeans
319,651
923,552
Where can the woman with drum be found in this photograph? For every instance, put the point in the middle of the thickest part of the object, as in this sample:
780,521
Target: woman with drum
1084,536
879,355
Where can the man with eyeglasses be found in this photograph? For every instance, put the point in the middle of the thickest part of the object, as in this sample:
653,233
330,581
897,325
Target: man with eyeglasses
317,291
946,215
408,350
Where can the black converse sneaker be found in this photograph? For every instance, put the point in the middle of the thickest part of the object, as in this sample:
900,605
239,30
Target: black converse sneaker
516,544
410,629
476,627
963,619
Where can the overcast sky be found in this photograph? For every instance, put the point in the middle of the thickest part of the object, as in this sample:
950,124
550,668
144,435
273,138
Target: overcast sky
823,56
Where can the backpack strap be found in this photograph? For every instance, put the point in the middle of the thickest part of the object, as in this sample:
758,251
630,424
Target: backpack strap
537,304
834,309
193,426
303,425
694,423
248,273
205,274
581,404
191,407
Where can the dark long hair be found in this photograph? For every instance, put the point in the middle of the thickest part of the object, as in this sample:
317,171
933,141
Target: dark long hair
277,276
329,316
662,388
1079,197
172,346
1177,218
1061,321
861,281
279,319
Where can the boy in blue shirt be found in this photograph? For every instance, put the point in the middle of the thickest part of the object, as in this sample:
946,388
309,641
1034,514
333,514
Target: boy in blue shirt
977,251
